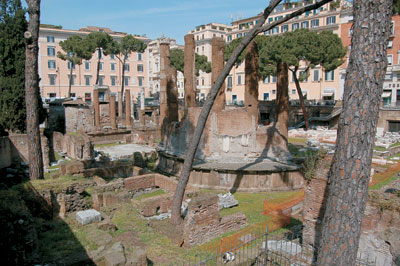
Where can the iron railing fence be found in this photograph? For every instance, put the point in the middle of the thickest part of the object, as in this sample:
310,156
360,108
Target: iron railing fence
269,249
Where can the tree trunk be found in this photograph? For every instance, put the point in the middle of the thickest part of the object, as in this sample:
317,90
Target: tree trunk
70,80
187,166
32,91
98,69
349,173
282,99
301,98
123,81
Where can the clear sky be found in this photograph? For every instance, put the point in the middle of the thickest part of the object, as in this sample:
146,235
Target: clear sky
173,18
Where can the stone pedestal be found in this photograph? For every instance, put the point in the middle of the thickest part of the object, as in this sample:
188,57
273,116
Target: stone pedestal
217,67
113,115
128,109
189,68
164,65
120,105
142,118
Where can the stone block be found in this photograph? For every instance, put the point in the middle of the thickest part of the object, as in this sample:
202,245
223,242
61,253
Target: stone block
137,258
88,216
139,182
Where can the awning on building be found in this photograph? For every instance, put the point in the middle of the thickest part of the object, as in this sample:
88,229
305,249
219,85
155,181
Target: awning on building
386,94
327,94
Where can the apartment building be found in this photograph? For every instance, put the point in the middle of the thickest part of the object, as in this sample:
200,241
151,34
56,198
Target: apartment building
203,35
55,73
154,66
320,84
391,86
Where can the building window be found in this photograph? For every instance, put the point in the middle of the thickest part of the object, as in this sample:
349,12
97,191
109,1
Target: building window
50,39
202,48
229,82
293,91
267,32
52,79
101,66
202,82
285,28
126,67
330,20
88,97
229,38
234,98
389,77
273,92
140,68
305,25
140,81
139,57
274,79
51,64
51,51
87,80
316,75
329,76
390,59
70,65
275,30
390,44
73,94
266,80
304,75
112,56
87,65
52,95
101,80
239,80
392,28
239,35
295,26
126,81
72,79
112,65
202,36
266,96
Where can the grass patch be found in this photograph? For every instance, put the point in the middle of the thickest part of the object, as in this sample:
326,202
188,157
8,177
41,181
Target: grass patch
394,155
150,194
297,140
58,156
394,145
57,184
379,148
382,183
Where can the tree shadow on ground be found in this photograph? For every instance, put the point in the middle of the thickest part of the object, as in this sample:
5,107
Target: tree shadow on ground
34,232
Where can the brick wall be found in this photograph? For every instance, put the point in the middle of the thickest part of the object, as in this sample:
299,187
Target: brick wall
202,222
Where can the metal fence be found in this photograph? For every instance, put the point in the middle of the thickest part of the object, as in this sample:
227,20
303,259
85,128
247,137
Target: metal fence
267,249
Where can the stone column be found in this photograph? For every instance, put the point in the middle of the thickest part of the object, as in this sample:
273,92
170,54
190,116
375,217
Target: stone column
217,66
189,71
251,83
96,105
120,105
113,115
128,109
164,66
172,96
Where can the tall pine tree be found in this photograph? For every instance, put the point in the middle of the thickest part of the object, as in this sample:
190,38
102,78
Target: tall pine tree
12,65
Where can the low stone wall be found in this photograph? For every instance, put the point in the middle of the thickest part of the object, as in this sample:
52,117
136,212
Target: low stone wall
313,210
76,146
108,199
137,183
14,149
90,169
111,136
146,135
156,205
245,181
203,223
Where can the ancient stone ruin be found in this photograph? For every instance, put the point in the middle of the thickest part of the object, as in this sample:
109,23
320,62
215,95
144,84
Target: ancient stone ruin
235,152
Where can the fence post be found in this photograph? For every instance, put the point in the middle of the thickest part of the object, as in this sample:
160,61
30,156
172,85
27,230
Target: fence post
266,245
